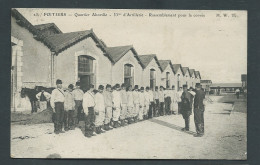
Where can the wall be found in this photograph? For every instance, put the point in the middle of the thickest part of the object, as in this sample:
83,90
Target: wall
192,80
118,69
36,58
176,78
146,74
66,63
186,78
163,76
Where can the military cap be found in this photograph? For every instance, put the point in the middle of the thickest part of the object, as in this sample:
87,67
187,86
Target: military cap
58,81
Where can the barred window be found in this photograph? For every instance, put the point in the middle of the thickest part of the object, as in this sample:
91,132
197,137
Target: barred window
128,75
85,65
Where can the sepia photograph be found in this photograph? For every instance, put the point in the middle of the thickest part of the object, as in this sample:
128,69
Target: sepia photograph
128,84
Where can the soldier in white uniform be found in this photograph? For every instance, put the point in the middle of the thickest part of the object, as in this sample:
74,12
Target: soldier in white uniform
130,105
88,104
99,109
136,103
142,103
69,108
116,105
123,105
57,104
109,106
147,102
174,97
78,96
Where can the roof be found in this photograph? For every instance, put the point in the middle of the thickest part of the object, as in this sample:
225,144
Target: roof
165,63
58,42
228,85
119,51
197,74
46,26
206,81
22,21
176,67
146,59
192,71
185,70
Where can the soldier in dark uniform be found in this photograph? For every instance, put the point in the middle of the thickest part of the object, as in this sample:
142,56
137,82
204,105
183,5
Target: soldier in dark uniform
199,109
186,106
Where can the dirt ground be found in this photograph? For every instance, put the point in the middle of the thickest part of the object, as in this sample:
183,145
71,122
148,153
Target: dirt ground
158,138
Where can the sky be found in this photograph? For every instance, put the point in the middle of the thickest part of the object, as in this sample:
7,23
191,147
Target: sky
201,40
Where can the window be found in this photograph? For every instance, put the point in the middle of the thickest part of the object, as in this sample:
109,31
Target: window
128,75
85,65
152,79
86,71
167,79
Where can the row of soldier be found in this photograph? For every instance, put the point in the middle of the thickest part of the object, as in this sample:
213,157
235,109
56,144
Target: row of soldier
111,107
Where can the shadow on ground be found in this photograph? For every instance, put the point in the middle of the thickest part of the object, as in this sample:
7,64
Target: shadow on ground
172,126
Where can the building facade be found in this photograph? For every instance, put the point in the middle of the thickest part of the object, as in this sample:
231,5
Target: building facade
127,67
152,71
43,53
179,75
168,76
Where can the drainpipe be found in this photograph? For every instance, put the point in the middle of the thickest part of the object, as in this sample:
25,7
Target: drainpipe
52,68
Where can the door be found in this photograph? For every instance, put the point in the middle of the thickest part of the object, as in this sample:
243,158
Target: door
85,82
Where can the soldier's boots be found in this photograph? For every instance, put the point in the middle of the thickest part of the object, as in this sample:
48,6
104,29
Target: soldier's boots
122,123
200,131
106,127
116,124
98,130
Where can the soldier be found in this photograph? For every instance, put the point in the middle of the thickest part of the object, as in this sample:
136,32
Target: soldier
136,103
88,104
179,93
78,96
109,106
199,108
99,109
186,98
147,102
156,102
43,97
141,105
174,97
130,105
161,100
69,108
152,104
116,105
123,105
57,104
167,101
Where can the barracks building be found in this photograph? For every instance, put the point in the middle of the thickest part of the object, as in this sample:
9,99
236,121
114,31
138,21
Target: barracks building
43,53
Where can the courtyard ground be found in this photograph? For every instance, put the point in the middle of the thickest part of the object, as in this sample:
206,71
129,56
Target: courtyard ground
159,138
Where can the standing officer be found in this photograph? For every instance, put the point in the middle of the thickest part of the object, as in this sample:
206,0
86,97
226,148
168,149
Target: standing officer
88,104
57,104
186,98
199,109
161,100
